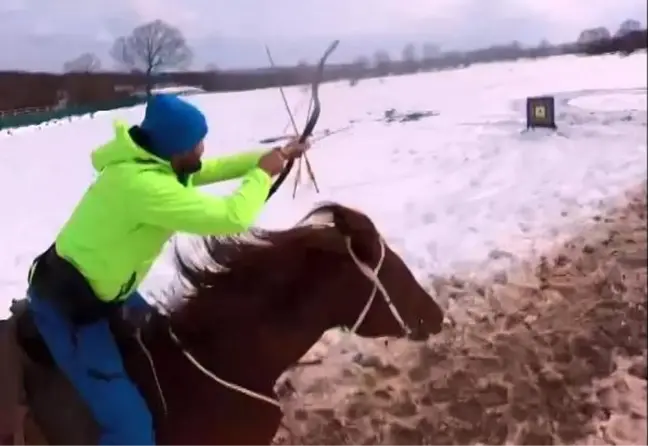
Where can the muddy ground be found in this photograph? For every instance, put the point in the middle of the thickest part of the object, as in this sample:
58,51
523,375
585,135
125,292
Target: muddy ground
553,352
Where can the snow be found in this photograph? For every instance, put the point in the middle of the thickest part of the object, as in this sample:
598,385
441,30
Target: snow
178,89
612,102
447,191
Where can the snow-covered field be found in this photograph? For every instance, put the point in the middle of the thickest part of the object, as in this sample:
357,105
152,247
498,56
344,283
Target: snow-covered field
447,191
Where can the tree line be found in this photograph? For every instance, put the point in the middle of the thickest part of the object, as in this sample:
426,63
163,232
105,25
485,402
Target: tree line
157,46
628,38
158,52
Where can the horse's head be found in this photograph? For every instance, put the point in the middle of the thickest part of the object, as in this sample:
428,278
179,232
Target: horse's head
365,285
332,269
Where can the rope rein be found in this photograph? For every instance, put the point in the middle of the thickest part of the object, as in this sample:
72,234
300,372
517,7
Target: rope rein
366,270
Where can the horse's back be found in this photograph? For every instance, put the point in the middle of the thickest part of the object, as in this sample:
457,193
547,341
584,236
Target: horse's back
33,392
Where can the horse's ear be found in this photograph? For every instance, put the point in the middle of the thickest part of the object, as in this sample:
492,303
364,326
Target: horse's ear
359,229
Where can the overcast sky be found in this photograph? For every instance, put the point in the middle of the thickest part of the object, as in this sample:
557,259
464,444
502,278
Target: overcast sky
46,33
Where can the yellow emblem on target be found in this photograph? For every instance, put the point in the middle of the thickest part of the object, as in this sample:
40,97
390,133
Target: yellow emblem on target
540,112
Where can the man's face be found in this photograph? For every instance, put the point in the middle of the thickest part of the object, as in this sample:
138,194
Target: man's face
190,162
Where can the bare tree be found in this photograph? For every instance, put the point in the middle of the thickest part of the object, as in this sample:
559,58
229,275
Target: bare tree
430,51
627,27
409,53
409,60
382,63
543,49
593,34
85,63
303,72
152,48
360,64
358,69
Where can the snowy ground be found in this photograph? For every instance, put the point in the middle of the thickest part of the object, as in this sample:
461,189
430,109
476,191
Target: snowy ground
447,191
553,353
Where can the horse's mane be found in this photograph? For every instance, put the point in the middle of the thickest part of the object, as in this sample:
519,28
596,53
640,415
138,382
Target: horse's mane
236,271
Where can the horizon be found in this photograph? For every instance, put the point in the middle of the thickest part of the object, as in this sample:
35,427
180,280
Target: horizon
232,35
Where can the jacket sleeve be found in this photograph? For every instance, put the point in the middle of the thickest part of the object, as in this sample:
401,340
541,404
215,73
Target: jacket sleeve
226,168
160,200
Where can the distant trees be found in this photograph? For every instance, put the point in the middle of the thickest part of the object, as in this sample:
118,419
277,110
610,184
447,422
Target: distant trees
360,63
409,58
382,63
303,67
543,49
358,69
593,34
544,44
409,53
303,72
160,52
430,51
630,37
85,63
627,27
152,48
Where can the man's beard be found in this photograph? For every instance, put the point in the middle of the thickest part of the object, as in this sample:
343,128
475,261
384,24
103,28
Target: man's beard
190,167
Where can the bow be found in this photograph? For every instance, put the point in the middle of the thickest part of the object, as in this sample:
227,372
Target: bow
312,119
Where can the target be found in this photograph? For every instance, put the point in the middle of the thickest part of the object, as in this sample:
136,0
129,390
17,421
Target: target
540,112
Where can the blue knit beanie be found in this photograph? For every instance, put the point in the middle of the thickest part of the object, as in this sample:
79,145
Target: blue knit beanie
173,126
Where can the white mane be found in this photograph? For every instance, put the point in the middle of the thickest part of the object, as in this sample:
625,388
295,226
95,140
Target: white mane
319,218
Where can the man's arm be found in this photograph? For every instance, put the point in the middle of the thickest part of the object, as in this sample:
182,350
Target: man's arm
160,200
226,168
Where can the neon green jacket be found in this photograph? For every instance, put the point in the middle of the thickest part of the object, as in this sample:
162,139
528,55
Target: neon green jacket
136,204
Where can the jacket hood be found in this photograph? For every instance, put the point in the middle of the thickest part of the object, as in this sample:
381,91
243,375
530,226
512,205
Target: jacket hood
121,149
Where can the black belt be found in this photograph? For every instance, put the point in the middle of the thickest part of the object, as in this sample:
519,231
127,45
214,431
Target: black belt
56,279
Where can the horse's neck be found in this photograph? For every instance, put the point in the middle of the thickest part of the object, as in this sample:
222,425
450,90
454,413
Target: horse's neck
240,360
280,356
258,355
246,359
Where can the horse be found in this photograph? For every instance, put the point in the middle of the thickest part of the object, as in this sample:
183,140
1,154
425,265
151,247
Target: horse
244,313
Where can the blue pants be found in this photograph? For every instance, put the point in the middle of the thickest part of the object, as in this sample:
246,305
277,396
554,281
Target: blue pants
89,356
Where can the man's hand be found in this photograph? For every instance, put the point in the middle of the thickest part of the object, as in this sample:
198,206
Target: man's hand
273,161
135,310
129,320
294,148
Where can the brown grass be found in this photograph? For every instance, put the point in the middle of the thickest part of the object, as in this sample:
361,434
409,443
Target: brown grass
555,354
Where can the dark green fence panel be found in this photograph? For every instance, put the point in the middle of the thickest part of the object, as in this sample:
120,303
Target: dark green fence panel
18,118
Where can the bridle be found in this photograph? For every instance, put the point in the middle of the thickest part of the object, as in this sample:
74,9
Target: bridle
370,273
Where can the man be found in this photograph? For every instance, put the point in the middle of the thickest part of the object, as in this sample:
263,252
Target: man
143,195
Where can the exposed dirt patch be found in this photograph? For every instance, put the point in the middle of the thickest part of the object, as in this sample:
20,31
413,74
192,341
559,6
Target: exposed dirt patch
554,353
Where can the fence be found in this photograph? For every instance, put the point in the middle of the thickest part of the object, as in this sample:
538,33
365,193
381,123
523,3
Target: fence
33,116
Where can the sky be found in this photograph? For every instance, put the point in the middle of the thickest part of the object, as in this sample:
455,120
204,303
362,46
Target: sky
232,33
